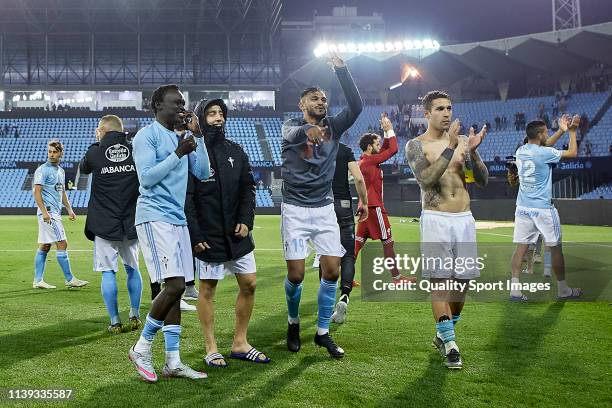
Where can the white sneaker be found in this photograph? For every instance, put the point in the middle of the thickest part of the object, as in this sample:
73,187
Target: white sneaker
76,283
42,285
339,315
547,273
144,364
183,371
191,293
186,307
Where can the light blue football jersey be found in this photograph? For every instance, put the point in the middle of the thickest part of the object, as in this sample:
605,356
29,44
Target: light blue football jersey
52,179
535,164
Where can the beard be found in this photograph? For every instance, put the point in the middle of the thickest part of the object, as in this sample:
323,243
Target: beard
314,114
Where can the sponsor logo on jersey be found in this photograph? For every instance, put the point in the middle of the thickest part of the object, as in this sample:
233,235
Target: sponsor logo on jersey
128,168
117,153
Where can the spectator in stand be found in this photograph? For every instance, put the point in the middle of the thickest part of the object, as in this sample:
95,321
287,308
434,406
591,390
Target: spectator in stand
541,110
517,120
504,121
610,150
546,119
497,123
555,124
488,125
588,149
563,104
584,124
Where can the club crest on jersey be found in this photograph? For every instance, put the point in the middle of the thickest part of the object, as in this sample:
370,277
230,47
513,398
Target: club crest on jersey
117,153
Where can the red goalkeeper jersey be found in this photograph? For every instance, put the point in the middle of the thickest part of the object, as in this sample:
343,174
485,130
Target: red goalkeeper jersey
373,175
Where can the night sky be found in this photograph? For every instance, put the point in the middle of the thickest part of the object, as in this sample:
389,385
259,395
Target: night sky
457,21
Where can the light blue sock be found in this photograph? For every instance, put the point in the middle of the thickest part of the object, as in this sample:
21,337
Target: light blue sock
39,265
172,337
547,259
134,287
456,319
326,299
446,330
64,262
108,287
293,293
151,327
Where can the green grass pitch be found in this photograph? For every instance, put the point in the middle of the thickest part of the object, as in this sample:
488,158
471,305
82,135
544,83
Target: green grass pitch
520,355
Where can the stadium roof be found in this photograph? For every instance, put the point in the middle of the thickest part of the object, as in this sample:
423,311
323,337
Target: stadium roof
550,53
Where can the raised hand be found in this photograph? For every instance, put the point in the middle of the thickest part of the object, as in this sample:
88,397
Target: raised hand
194,125
385,123
564,121
575,123
335,61
474,139
453,134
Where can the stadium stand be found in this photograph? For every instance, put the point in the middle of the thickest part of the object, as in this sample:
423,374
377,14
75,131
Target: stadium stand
77,135
604,191
600,136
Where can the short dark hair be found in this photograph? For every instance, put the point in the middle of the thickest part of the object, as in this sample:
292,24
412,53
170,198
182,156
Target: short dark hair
160,93
366,140
311,89
432,96
534,128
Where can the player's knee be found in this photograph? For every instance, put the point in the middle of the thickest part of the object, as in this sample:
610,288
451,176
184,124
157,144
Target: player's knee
296,279
45,247
62,245
248,288
295,274
175,288
207,291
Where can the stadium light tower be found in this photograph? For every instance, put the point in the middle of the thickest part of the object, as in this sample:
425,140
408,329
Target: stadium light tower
566,14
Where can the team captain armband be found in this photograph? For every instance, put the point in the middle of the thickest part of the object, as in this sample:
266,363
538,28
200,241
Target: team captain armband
448,153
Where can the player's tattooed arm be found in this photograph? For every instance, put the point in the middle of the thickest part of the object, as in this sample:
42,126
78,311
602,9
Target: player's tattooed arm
481,173
426,174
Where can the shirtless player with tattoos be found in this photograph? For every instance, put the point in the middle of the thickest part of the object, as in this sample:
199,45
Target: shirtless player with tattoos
438,158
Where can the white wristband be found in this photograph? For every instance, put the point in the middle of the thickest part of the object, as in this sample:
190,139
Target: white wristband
389,133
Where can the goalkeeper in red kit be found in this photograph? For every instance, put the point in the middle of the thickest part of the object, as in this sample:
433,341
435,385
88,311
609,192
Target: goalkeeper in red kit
377,226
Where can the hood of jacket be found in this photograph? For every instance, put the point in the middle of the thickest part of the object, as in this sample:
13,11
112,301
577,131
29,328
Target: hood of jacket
212,134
